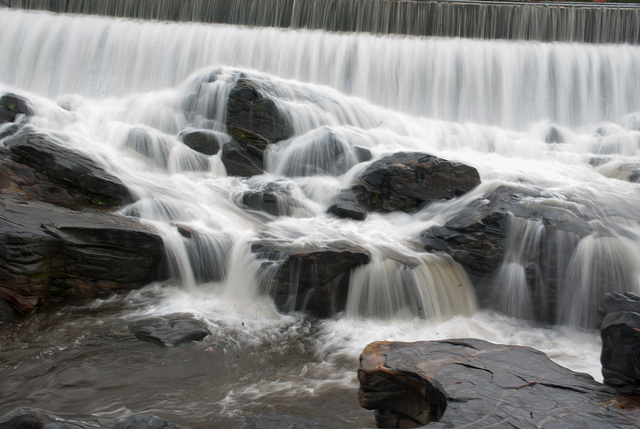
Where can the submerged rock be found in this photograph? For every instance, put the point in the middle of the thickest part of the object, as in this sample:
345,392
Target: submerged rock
473,383
311,279
405,181
25,417
67,168
170,330
51,254
620,332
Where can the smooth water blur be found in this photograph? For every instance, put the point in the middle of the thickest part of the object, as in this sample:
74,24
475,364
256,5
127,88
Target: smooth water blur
559,122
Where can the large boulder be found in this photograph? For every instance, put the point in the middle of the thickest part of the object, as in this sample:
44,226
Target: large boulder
251,108
67,168
406,181
253,121
620,332
504,229
311,279
50,253
23,418
473,383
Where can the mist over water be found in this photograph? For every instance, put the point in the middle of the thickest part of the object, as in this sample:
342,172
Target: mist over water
559,122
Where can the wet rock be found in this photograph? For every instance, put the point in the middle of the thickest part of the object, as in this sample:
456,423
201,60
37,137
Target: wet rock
50,253
405,181
148,146
281,421
242,160
346,205
203,141
67,168
24,418
12,105
251,109
553,135
476,237
311,279
620,332
7,313
473,383
170,331
208,254
320,152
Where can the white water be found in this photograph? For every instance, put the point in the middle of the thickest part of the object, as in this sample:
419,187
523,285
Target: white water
487,104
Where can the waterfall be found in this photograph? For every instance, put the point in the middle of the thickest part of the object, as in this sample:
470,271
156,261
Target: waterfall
569,22
541,99
507,84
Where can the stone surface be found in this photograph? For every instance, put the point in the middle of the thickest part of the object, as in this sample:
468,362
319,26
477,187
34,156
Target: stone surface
406,181
33,418
476,237
475,384
50,253
251,109
12,105
620,332
346,205
311,279
203,141
170,331
66,168
244,158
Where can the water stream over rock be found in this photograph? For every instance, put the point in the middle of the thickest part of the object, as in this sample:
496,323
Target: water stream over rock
261,158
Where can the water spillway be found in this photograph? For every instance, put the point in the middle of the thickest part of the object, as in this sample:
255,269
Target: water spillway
553,130
569,22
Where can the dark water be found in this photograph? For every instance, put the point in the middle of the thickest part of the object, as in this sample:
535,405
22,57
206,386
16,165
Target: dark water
82,359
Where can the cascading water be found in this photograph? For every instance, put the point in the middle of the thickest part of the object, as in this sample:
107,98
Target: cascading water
556,123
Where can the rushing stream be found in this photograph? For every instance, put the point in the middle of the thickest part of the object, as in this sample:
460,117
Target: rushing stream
95,82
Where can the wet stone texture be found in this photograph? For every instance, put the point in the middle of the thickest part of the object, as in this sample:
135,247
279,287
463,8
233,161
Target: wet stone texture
620,332
475,384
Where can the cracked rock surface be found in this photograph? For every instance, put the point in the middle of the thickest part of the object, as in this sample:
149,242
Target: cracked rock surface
476,384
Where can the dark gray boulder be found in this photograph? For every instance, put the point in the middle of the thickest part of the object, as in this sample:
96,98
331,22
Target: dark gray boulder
203,141
475,384
170,331
12,105
310,279
250,108
476,237
244,155
406,181
346,204
50,253
67,168
33,418
620,332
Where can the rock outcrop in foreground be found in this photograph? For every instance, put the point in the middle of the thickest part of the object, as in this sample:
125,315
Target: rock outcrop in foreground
472,383
620,332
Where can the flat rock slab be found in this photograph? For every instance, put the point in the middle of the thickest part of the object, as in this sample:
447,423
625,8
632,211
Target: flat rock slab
475,384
